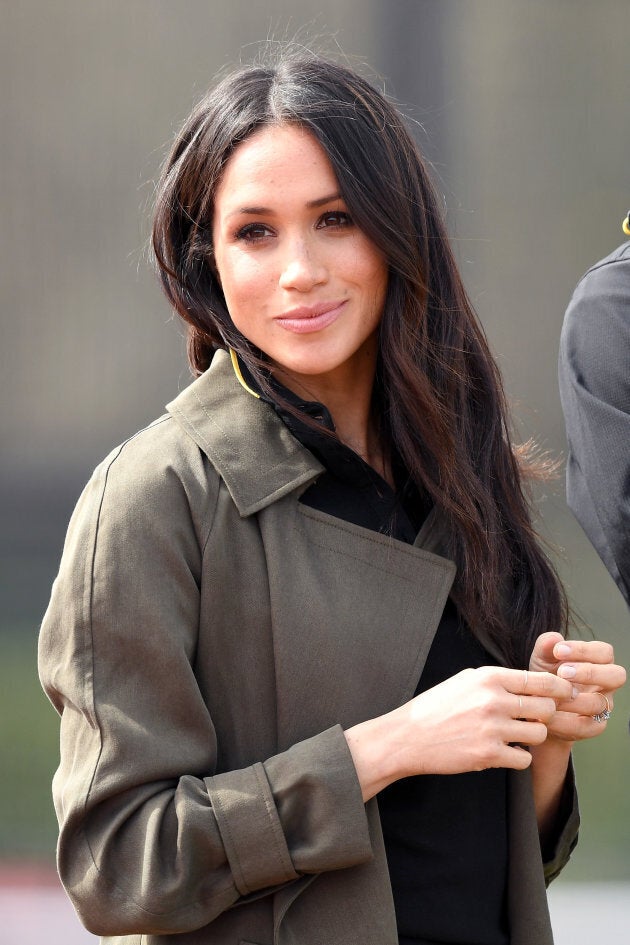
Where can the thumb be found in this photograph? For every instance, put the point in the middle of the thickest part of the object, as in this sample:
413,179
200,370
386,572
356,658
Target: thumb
542,659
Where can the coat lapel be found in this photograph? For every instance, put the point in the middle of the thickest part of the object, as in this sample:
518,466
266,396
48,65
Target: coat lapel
355,613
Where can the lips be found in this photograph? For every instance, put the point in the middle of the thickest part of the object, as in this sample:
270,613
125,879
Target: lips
309,318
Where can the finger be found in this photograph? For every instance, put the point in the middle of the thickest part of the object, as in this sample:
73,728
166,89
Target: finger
584,651
523,682
534,708
588,703
571,727
542,658
608,677
527,733
515,757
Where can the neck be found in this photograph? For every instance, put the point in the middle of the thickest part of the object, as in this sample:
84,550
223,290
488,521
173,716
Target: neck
348,398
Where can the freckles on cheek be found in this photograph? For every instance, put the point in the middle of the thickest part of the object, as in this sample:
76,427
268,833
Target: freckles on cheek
248,289
248,276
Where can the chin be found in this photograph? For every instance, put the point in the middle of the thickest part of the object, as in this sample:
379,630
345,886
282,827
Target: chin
306,364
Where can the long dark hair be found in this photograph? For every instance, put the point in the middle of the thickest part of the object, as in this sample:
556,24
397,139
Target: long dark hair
443,405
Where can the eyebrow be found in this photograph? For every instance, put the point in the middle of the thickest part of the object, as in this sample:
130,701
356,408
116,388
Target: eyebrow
268,211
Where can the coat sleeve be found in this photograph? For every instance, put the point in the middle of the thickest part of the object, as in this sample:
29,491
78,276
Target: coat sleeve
594,371
152,838
563,840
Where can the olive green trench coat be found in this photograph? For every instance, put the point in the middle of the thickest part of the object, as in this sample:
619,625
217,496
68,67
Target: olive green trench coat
207,641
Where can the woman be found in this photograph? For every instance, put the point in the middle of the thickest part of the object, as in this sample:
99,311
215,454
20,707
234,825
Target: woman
308,654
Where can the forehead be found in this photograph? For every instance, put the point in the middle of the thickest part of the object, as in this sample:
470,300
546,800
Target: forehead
276,160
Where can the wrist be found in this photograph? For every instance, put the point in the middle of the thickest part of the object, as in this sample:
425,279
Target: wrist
550,763
372,746
554,750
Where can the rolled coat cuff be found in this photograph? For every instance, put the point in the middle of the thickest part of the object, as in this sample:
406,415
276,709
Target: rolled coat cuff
299,812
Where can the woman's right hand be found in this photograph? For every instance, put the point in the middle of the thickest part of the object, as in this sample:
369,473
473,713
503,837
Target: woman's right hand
477,719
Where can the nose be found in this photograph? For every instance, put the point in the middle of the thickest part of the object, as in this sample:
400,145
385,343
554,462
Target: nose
303,268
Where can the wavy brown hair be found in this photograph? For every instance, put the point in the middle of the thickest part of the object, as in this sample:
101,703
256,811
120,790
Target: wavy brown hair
442,401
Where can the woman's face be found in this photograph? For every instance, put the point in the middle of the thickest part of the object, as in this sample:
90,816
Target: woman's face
300,280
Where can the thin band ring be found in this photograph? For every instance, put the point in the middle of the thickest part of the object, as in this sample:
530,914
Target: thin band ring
525,679
604,715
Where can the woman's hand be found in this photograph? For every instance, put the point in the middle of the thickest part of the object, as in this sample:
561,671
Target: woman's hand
478,719
589,666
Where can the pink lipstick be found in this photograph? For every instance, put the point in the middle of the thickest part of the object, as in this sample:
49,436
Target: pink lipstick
309,318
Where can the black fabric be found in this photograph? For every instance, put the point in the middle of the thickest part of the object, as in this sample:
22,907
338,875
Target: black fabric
445,836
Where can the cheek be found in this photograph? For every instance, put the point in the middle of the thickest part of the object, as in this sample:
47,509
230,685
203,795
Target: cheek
245,281
364,264
372,274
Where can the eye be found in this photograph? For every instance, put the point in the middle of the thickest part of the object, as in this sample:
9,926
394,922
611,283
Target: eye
337,219
253,233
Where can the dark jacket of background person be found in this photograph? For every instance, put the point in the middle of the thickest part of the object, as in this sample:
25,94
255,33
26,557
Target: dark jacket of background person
595,393
208,640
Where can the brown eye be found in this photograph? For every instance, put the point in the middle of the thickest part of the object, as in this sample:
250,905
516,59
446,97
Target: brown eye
253,232
335,218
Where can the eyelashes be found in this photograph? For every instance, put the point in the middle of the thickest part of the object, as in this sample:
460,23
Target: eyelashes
253,232
334,218
257,232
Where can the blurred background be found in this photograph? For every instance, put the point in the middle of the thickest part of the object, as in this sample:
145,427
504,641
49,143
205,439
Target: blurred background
522,109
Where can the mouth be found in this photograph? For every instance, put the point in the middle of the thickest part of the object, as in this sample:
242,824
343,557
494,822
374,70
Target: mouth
309,318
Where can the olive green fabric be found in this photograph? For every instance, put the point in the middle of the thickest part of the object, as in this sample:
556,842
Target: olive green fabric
207,641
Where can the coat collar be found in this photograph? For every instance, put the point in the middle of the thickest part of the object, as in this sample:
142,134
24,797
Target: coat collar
247,443
252,450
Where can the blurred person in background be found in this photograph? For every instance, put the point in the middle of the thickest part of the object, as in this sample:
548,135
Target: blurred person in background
594,371
308,654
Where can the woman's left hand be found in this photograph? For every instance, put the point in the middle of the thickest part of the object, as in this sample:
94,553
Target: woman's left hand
590,666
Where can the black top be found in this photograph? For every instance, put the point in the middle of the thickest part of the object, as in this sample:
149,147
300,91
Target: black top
445,836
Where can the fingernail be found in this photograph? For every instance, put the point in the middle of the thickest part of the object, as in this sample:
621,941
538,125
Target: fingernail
566,671
563,649
575,692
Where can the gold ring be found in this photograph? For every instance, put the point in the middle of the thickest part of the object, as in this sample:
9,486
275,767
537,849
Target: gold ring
604,715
